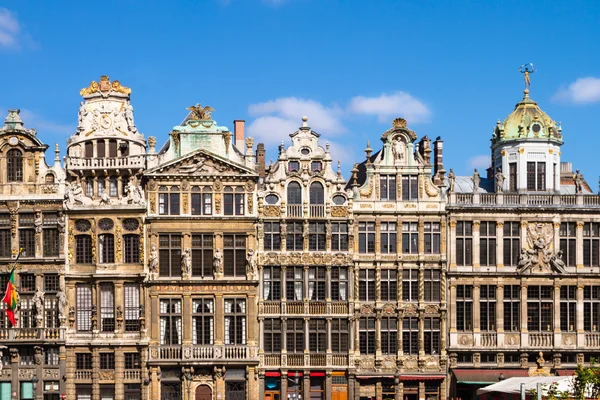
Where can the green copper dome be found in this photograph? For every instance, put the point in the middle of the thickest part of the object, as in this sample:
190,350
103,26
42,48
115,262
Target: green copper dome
527,122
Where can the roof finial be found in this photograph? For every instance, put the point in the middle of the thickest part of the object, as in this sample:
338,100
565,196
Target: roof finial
304,121
56,152
527,69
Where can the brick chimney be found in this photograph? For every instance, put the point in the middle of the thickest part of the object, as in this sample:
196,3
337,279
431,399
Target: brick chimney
261,155
438,147
238,130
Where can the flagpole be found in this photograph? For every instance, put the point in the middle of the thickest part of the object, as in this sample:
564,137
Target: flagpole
11,293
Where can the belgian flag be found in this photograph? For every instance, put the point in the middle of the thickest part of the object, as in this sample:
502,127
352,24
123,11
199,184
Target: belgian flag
11,298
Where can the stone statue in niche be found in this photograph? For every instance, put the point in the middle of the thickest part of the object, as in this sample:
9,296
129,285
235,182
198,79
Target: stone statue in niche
153,261
476,180
38,303
186,263
578,179
74,195
499,180
451,180
129,117
398,149
82,113
38,222
218,263
251,266
135,194
63,302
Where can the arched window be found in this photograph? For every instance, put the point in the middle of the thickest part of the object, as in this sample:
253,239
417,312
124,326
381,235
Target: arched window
14,166
317,193
49,179
294,193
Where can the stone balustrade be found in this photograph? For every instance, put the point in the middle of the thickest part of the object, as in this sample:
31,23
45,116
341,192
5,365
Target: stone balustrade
199,353
523,199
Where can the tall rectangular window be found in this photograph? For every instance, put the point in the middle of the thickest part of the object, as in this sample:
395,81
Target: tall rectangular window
464,243
512,177
272,241
295,335
174,203
366,237
5,236
487,308
389,335
83,361
234,255
27,242
203,316
317,335
389,285
512,243
201,203
410,285
235,321
464,307
51,356
339,284
432,285
410,238
591,308
367,335
568,240
271,283
84,307
51,311
107,360
294,236
132,361
568,307
294,281
272,335
591,244
340,333
512,308
366,285
431,333
539,308
233,203
316,236
106,248
107,307
410,336
339,236
50,234
387,187
388,237
169,254
131,246
132,307
487,243
410,188
316,283
432,238
202,255
26,312
536,176
170,321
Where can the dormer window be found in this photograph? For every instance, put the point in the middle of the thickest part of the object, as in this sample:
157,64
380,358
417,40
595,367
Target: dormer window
293,166
536,176
14,166
536,128
316,166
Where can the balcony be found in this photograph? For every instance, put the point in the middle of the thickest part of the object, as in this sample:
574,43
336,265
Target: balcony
592,340
541,339
524,199
203,353
303,308
134,162
294,210
489,340
305,360
132,375
317,211
28,334
83,374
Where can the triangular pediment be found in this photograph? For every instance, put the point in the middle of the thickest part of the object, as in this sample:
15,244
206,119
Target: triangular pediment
201,162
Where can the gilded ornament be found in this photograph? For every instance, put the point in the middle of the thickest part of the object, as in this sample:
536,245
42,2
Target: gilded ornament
368,190
399,123
201,113
249,186
272,211
339,211
152,203
184,198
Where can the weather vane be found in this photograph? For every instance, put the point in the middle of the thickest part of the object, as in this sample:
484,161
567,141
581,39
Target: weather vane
527,69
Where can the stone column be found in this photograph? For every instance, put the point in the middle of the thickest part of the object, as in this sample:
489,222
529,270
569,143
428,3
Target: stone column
476,309
580,311
306,385
377,236
351,384
120,308
155,319
499,246
475,247
305,283
283,285
261,334
452,308
579,247
452,244
283,334
284,385
421,238
500,314
524,331
328,283
219,316
186,309
119,374
556,305
378,334
252,312
95,374
327,387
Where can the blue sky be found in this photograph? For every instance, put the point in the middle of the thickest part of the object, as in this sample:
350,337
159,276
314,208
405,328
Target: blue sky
448,67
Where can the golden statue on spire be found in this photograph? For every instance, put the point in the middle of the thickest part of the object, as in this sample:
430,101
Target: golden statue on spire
527,69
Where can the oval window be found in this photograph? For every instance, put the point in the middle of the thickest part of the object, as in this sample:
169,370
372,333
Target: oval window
305,151
130,224
83,225
536,128
106,224
338,199
272,199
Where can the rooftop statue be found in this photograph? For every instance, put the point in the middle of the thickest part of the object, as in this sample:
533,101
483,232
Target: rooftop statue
527,69
201,113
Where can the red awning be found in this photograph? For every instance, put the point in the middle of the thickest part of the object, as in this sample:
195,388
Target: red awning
290,373
421,377
272,373
486,376
374,376
565,372
317,373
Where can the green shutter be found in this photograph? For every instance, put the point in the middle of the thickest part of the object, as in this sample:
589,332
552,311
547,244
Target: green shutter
5,391
26,390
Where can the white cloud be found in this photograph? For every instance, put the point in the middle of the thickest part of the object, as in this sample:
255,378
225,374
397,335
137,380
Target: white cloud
280,117
9,28
389,106
582,91
481,162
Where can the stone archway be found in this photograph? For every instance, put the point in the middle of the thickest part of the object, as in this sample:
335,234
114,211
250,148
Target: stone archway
203,392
